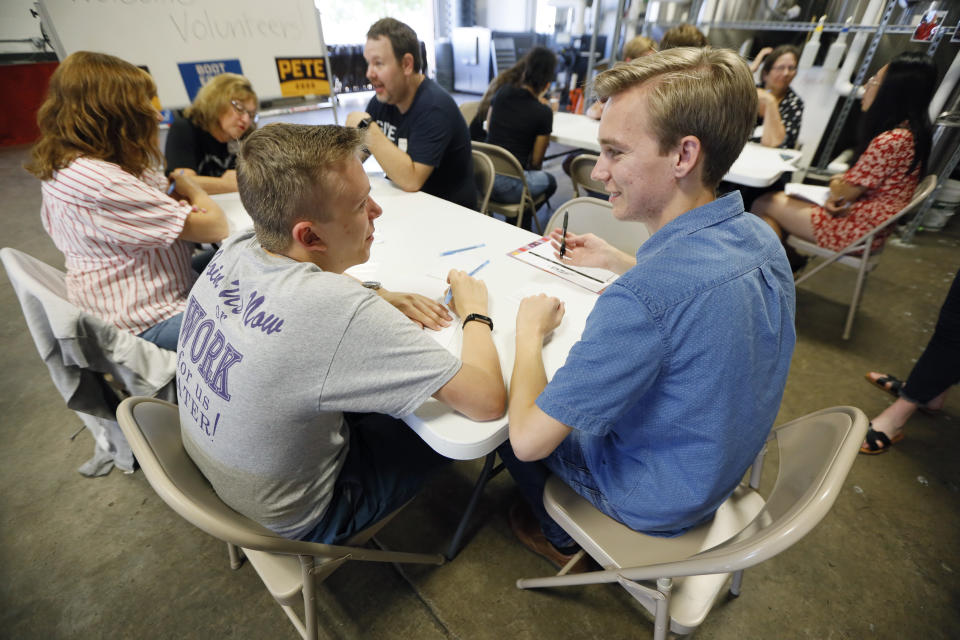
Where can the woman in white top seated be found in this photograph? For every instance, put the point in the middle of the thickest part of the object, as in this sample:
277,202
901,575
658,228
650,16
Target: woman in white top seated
127,243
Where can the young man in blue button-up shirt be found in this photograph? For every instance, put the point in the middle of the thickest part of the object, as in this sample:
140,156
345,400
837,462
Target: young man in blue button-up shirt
673,387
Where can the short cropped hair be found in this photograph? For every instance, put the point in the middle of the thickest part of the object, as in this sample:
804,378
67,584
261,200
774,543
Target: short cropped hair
402,38
638,46
280,169
97,106
683,35
214,98
703,92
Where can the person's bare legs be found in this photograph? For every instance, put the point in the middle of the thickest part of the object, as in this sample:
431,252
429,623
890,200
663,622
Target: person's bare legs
786,214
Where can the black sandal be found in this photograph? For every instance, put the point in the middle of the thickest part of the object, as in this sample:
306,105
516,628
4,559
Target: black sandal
878,442
886,382
894,385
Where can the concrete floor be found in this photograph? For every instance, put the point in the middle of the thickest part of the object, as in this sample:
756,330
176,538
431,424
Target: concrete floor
105,558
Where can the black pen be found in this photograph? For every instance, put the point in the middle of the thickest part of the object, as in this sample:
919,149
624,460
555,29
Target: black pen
563,240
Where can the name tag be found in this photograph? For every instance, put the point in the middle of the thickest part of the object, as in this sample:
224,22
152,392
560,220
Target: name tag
402,143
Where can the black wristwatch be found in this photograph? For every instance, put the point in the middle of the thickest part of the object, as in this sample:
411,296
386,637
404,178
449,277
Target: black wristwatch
363,124
479,318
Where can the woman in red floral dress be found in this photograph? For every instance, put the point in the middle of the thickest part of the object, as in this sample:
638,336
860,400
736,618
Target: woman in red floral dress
894,145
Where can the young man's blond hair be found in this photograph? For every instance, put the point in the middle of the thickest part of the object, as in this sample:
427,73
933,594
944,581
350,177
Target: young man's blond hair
703,92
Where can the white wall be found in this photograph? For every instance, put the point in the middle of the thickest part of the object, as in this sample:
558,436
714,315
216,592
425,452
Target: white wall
16,23
506,15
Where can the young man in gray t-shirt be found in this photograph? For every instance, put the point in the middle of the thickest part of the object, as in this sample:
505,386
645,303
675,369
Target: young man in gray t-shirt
288,370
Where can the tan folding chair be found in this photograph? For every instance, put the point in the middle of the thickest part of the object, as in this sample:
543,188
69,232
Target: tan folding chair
580,169
483,173
469,110
689,571
290,569
592,215
505,164
858,255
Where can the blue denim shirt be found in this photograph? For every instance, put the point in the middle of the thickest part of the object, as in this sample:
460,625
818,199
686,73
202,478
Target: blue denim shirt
678,377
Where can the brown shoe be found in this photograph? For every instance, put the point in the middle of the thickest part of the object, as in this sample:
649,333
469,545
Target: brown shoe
525,526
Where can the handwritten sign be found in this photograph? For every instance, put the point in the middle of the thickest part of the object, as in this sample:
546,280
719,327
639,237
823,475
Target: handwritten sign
168,35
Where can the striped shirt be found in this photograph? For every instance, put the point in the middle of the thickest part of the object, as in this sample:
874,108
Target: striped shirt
119,234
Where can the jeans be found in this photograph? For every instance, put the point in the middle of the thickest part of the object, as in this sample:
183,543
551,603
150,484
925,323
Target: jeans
164,334
386,466
939,366
200,260
507,189
567,463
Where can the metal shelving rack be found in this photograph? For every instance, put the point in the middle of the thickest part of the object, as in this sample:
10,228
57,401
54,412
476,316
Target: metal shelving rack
878,30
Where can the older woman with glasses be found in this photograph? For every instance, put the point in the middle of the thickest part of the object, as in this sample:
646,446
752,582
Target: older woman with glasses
779,108
202,143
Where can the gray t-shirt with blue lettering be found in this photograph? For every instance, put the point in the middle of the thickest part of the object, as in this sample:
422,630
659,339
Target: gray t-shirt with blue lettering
271,352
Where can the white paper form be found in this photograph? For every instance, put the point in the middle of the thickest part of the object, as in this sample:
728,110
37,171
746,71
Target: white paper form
811,192
539,254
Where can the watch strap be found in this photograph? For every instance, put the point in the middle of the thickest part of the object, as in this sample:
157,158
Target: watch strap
479,318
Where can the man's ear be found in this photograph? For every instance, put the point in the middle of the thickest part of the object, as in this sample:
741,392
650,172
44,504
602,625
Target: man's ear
690,154
307,235
406,63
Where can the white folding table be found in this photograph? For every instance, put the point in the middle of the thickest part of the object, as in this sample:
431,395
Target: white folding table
409,237
757,165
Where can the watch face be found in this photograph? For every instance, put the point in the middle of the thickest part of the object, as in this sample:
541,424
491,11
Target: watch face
371,284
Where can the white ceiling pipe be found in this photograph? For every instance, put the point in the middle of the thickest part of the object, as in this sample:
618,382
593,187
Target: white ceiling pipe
946,87
633,16
871,16
580,10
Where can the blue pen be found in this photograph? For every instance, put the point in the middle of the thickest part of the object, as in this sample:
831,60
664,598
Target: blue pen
173,184
453,251
449,296
480,266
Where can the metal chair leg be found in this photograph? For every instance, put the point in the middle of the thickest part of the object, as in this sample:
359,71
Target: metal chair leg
307,564
486,474
737,583
857,291
236,559
661,617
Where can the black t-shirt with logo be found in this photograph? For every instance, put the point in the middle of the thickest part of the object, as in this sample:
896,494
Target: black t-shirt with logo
190,147
434,133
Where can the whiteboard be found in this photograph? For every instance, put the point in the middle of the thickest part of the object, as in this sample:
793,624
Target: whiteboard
161,34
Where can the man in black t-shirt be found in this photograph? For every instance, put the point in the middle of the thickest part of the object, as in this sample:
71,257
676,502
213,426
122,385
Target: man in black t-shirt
415,130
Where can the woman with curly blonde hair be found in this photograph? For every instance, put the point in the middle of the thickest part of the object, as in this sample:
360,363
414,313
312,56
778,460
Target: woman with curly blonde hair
203,142
106,204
